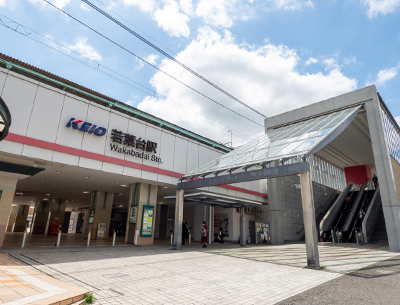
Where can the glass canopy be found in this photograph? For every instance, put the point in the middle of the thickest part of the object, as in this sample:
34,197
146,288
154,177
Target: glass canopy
286,142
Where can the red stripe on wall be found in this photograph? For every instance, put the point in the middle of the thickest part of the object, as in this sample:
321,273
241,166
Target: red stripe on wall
86,154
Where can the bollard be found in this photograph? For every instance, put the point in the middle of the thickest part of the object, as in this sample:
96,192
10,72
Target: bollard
172,238
190,238
114,236
23,240
58,238
88,239
135,237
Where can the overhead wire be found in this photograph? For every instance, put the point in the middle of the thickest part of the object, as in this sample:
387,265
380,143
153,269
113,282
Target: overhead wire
28,31
155,40
170,57
150,64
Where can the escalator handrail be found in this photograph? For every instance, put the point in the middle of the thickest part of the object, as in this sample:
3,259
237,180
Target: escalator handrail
354,210
370,218
331,215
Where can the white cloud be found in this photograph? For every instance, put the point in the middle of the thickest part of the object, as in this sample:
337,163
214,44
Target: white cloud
2,2
59,3
266,77
85,7
167,13
311,61
186,6
139,64
386,75
152,58
85,49
331,64
145,5
216,13
292,5
171,20
349,60
384,7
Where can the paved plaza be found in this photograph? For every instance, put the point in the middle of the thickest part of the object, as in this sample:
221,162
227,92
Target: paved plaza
220,274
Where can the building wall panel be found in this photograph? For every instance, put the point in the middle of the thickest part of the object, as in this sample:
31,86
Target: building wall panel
91,142
45,117
76,109
19,96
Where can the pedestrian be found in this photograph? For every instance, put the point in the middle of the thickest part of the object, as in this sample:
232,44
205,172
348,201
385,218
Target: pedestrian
185,232
349,204
375,181
204,234
361,215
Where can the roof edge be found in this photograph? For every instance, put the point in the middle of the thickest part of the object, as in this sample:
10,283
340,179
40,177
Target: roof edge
73,88
346,100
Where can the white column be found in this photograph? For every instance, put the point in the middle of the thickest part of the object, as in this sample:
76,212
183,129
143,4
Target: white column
242,229
211,225
178,220
310,228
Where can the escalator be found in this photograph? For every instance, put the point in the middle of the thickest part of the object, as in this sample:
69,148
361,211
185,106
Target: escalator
345,232
337,230
334,213
352,217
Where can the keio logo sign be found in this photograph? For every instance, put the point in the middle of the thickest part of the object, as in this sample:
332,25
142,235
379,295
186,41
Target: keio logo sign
86,127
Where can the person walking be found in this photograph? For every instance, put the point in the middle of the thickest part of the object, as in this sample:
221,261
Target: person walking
204,234
375,181
185,232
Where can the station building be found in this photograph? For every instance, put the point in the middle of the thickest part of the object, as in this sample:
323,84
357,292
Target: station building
81,162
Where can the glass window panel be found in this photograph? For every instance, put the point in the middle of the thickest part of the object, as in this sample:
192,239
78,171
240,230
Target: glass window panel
287,141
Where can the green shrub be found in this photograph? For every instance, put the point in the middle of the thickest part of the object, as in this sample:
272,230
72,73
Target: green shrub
89,298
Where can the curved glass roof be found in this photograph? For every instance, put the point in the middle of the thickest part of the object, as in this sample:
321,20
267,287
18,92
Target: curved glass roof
297,139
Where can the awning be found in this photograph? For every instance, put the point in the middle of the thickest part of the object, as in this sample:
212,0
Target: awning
294,141
216,200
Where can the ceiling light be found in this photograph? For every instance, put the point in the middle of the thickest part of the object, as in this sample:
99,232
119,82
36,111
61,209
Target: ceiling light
69,181
43,177
47,194
118,182
58,172
87,177
85,192
45,199
124,185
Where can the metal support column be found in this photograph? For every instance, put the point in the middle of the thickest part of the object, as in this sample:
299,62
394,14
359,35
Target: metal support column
178,220
211,225
242,237
310,228
46,231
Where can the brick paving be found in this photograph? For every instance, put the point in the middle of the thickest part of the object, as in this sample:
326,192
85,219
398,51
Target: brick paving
21,285
220,274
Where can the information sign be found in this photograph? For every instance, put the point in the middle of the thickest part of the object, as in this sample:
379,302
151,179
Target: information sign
132,216
147,221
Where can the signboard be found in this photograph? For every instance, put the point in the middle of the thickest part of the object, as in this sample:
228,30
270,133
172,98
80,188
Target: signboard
132,216
221,220
147,221
101,230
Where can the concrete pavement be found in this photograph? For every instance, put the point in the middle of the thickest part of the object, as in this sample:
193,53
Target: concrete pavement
220,274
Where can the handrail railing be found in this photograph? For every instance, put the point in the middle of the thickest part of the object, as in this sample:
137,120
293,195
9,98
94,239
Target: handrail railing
326,222
369,222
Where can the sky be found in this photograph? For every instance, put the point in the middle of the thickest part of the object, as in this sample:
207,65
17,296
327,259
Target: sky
273,55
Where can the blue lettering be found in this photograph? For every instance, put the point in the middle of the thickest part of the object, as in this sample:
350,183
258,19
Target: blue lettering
101,131
85,127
